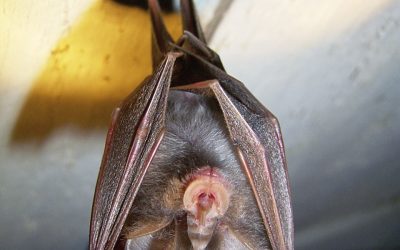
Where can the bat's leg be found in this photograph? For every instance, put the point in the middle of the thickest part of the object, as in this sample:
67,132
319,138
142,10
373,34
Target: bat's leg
194,45
192,39
190,20
161,39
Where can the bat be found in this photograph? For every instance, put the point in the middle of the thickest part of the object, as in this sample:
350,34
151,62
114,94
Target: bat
192,159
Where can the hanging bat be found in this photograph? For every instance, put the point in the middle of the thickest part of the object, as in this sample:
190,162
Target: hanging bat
192,160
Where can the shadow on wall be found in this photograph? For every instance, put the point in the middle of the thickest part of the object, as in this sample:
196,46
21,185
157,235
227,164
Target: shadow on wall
102,58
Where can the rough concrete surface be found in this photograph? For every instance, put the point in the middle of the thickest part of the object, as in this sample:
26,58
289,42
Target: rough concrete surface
329,70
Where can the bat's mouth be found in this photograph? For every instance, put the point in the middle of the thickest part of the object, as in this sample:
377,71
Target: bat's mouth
206,199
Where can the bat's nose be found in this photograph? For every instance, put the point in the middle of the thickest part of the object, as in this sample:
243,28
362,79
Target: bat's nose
206,191
206,199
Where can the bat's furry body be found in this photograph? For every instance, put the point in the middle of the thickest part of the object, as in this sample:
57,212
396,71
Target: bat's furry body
192,159
195,137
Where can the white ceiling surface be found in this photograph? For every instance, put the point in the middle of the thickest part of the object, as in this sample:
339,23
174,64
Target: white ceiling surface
45,192
327,69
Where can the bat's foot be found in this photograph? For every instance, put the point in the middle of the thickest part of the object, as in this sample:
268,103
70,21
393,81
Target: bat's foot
206,199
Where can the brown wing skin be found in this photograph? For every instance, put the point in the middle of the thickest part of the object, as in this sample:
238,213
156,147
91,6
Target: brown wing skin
133,138
260,148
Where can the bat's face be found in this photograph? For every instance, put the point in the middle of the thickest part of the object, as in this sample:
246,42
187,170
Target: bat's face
195,194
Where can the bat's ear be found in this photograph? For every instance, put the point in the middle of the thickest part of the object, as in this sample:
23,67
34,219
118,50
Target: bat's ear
190,20
161,39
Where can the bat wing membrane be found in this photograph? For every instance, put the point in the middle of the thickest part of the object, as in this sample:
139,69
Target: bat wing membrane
133,138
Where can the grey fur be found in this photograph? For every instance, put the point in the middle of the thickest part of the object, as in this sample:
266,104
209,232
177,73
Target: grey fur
195,137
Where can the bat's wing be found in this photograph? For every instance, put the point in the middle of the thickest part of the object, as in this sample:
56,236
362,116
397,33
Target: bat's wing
133,138
255,133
